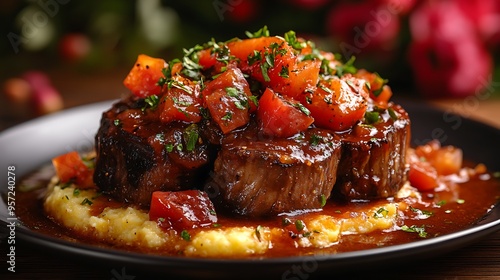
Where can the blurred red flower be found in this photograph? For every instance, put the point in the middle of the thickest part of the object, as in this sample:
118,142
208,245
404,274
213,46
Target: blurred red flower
366,26
485,15
400,7
446,54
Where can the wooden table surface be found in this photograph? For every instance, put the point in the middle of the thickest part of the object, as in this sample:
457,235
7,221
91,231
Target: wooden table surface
480,260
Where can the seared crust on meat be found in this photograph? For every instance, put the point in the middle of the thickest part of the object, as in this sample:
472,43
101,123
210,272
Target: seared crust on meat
257,177
132,160
373,161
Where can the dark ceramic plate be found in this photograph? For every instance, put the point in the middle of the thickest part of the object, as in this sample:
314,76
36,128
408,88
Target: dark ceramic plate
32,144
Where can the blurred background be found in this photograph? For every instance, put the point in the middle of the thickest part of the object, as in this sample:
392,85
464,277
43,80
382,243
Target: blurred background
58,54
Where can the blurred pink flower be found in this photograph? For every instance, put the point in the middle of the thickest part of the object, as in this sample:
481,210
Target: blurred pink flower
400,7
363,26
485,15
446,54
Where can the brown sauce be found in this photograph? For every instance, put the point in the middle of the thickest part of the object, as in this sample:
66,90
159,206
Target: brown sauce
457,208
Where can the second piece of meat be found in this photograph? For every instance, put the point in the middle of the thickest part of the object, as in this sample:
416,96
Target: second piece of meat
259,177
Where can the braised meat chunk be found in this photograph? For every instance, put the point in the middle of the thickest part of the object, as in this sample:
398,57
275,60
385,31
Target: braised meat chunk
257,177
373,161
137,155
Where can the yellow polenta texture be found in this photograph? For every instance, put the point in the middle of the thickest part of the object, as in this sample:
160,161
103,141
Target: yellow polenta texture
131,227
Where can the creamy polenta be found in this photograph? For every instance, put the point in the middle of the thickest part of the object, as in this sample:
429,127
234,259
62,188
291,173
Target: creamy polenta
118,225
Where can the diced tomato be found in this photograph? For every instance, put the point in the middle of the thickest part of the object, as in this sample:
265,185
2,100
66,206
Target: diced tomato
284,73
379,91
430,161
308,49
242,49
446,160
224,112
143,77
383,97
256,53
301,76
229,100
206,58
176,69
182,102
71,168
422,175
280,116
182,210
338,104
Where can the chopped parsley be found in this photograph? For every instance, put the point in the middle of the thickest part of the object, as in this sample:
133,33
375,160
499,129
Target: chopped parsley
258,230
291,39
299,225
325,68
190,69
167,72
177,84
327,90
241,101
179,147
254,99
284,73
222,52
368,86
346,68
254,57
185,235
378,91
65,185
380,213
372,117
267,62
89,162
227,116
415,229
421,212
76,192
441,203
263,32
169,147
322,200
86,201
190,66
315,140
392,113
302,108
285,222
191,137
152,102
